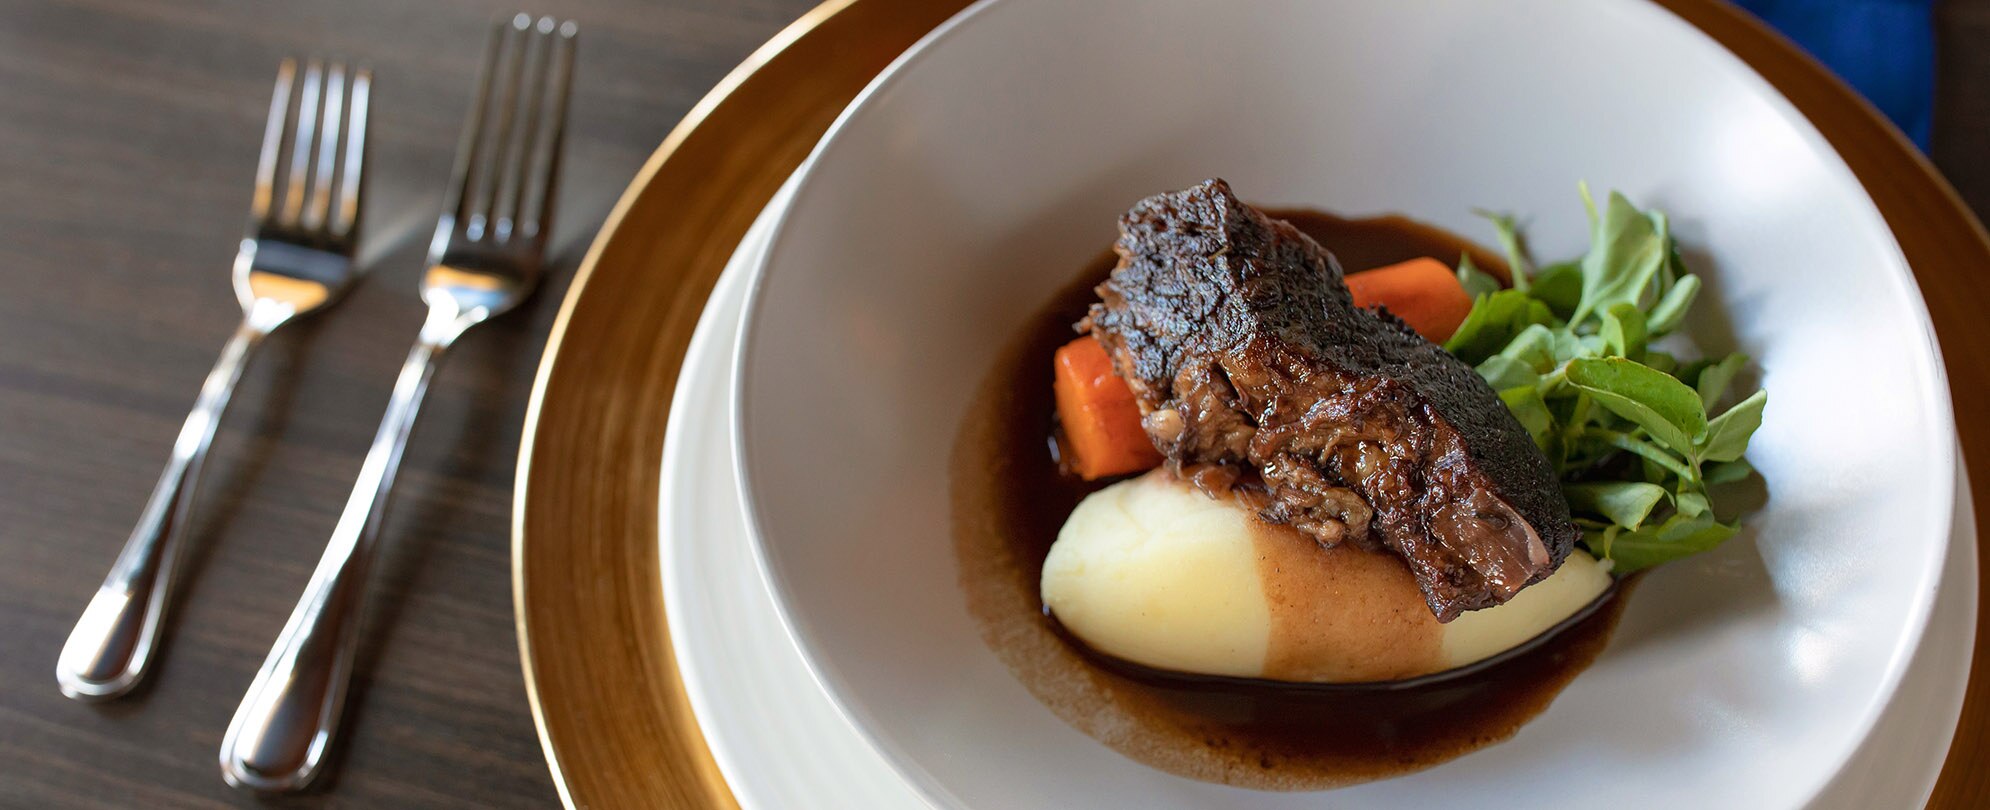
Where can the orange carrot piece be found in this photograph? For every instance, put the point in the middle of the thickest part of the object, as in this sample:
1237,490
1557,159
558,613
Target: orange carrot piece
1424,292
1102,427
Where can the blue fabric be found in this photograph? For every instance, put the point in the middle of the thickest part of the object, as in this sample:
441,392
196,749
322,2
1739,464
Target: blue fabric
1884,48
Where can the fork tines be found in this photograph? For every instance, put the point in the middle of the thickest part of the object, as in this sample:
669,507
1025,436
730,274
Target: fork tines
507,162
317,129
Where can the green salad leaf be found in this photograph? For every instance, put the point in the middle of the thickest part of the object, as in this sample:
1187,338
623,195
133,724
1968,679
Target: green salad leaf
1727,434
1711,378
1681,535
1560,287
1475,281
1495,320
1636,435
1665,407
1625,503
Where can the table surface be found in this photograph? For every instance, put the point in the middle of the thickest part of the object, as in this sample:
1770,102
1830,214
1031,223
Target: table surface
128,131
128,138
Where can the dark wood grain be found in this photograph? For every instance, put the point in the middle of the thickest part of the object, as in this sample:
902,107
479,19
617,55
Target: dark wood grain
128,131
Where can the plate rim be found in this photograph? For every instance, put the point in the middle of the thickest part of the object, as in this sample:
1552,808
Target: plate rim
629,736
653,165
1910,194
714,585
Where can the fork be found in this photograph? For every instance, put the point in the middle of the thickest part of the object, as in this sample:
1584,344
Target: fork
488,254
296,257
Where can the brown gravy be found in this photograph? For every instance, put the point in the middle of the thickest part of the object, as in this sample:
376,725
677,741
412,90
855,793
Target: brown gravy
1010,500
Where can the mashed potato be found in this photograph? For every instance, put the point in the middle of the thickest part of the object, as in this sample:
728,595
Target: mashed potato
1152,571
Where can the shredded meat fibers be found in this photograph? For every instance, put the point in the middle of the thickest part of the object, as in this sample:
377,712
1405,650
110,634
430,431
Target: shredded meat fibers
1255,371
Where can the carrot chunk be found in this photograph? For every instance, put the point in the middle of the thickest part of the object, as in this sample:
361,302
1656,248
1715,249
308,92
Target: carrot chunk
1102,428
1424,292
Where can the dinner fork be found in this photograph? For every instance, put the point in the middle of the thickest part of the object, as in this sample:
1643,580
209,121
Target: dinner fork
295,258
488,254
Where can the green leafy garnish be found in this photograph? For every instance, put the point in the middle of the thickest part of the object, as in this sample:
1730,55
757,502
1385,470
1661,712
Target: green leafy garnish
1664,407
1509,241
1634,433
1625,503
1494,321
1727,434
1560,287
1681,535
1475,281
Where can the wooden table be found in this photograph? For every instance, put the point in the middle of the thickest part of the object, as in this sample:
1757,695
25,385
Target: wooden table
127,138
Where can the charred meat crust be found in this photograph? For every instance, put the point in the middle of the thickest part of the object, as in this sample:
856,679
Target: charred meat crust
1253,367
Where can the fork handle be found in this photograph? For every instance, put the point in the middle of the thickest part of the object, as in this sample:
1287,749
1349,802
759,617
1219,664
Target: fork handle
110,649
279,735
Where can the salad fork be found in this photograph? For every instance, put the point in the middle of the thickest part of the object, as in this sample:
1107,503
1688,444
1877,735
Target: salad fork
487,255
296,257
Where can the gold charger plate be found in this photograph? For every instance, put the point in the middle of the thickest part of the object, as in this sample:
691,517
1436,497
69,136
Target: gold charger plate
611,711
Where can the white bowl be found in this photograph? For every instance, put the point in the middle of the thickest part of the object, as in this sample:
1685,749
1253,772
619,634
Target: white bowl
980,172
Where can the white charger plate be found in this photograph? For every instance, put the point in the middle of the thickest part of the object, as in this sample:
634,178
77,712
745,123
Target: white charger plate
782,743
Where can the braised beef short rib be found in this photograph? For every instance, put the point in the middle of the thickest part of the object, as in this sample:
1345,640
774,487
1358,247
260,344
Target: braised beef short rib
1259,377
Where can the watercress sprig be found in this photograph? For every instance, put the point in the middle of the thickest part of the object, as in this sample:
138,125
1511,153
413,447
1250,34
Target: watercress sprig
1636,435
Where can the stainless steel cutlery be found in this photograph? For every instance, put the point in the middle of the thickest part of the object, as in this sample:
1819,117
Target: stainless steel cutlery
297,257
488,254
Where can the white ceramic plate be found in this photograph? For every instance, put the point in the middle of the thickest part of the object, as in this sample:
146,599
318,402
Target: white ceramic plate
976,175
782,743
775,735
